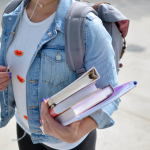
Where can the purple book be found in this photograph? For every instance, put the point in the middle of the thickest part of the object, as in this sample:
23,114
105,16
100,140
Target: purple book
118,92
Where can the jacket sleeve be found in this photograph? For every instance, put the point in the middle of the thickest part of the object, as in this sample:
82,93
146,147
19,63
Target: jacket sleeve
100,54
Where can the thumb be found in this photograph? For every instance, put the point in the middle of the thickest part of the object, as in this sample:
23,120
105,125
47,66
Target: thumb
2,68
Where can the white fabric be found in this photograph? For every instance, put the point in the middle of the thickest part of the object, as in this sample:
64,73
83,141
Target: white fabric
26,40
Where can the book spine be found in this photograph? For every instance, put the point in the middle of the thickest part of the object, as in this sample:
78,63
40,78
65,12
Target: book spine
53,113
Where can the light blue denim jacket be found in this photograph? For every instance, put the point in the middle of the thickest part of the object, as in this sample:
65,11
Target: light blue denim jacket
53,75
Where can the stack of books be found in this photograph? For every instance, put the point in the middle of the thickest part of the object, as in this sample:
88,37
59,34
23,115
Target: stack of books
82,98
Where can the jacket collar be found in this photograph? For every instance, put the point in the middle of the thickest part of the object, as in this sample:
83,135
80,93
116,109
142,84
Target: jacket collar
61,13
59,22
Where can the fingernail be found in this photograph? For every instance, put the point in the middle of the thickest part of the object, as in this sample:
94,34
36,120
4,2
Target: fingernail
9,73
47,98
10,76
5,66
42,99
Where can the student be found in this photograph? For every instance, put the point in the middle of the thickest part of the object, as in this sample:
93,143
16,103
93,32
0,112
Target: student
32,37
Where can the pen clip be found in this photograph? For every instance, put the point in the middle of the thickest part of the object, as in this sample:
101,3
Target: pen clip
8,68
52,106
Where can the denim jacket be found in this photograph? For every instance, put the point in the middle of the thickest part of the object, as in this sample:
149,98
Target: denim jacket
51,75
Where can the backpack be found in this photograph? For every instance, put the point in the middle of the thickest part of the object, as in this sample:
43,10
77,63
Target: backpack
113,20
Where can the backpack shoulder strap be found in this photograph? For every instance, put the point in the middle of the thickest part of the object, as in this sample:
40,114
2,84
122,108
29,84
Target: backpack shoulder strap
11,7
74,35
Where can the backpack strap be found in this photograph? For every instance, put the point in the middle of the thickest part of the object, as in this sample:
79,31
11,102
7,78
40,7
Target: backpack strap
11,7
74,35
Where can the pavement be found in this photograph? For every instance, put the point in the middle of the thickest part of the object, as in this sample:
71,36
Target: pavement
132,128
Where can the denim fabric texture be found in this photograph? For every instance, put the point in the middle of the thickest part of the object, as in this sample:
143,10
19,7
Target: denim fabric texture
53,75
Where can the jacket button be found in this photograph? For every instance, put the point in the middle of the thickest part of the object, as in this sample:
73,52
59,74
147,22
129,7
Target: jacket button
32,81
58,57
9,18
49,34
33,107
38,139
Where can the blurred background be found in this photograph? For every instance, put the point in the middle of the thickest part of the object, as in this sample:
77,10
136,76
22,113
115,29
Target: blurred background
132,128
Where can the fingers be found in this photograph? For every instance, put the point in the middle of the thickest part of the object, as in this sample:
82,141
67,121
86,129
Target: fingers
2,68
4,84
53,128
5,74
43,107
45,113
42,113
46,127
2,89
45,120
2,80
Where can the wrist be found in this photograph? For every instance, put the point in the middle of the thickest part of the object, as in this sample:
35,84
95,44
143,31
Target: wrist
86,127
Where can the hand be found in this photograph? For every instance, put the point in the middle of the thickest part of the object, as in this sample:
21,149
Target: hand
4,78
69,134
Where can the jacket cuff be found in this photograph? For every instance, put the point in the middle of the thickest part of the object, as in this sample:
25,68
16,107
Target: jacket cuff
102,119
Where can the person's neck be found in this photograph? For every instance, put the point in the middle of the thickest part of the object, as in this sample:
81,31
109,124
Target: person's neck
41,14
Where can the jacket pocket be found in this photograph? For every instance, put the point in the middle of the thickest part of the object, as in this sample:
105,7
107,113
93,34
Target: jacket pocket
55,71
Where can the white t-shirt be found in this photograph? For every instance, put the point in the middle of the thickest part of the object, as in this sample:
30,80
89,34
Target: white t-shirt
22,50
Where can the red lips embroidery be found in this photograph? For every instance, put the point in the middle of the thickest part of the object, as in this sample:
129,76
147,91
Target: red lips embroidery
18,53
25,117
20,79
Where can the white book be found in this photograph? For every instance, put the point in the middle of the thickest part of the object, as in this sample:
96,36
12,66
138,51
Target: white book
87,78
